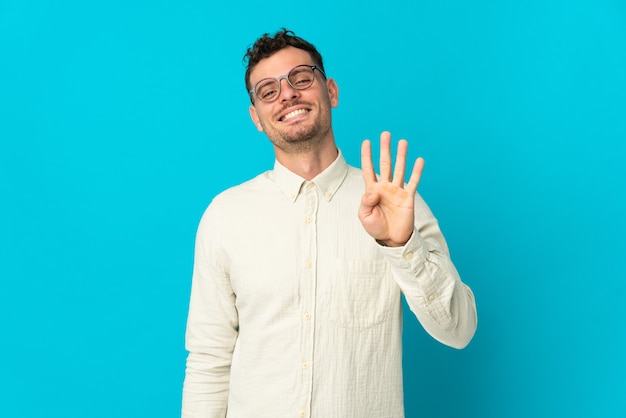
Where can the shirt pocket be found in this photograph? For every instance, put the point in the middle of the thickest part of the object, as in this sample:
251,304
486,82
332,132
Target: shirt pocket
362,293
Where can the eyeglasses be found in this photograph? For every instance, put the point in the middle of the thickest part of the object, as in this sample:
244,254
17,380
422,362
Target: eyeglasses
300,77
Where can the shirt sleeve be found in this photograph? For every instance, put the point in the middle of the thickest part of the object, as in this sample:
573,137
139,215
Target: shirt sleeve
212,326
442,303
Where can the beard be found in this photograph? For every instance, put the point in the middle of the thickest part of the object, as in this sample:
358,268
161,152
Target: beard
301,136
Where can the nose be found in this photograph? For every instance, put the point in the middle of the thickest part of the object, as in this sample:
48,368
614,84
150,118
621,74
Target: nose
286,91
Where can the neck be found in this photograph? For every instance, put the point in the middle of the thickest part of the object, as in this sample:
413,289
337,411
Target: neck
310,163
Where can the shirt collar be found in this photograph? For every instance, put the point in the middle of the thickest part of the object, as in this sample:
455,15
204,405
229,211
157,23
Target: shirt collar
327,182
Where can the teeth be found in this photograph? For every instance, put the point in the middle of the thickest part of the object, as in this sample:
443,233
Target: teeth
294,113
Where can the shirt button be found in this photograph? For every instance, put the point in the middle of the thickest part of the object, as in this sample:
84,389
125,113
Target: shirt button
305,365
431,297
303,413
307,316
309,264
408,256
328,194
309,219
310,186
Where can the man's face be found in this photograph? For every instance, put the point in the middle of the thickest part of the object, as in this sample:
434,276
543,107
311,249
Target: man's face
297,120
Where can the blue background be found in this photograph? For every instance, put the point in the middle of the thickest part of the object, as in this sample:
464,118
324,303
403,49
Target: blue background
120,120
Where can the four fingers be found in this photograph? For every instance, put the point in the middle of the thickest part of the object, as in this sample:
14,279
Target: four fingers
386,165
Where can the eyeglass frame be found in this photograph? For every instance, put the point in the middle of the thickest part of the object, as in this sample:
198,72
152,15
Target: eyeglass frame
278,79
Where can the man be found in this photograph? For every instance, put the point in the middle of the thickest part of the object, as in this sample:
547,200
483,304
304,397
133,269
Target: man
296,296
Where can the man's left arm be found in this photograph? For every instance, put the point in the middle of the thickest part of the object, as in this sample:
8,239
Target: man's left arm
396,216
423,269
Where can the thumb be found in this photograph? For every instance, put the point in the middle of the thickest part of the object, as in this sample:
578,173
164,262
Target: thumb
368,201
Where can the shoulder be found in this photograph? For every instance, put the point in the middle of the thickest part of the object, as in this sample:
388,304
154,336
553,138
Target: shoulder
235,194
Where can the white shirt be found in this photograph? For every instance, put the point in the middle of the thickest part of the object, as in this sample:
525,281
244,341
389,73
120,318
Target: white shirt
296,311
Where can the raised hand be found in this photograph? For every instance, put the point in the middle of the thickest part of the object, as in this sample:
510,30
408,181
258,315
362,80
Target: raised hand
386,210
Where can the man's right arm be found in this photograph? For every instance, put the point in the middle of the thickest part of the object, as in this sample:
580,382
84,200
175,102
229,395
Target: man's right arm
211,328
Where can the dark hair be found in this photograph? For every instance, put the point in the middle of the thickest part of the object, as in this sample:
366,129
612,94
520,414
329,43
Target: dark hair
267,45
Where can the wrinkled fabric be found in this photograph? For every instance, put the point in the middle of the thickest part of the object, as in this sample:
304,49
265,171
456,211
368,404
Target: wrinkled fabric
295,310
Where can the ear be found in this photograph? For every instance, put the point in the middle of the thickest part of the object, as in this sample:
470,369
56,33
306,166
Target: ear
333,92
255,118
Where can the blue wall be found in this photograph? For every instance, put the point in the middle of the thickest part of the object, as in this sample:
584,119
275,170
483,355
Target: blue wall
119,120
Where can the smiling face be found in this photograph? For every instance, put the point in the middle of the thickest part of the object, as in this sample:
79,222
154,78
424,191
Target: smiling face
298,120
